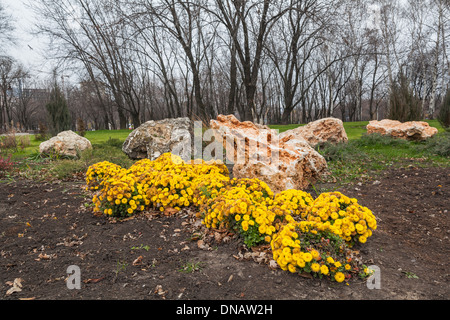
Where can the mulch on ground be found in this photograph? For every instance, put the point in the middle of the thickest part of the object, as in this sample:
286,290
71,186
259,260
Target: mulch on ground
47,227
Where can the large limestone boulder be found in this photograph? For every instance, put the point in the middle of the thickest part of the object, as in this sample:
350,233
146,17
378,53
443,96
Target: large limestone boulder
66,143
320,131
411,130
258,152
153,138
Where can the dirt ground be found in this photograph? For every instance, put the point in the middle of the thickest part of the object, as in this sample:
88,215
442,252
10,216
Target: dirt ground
46,227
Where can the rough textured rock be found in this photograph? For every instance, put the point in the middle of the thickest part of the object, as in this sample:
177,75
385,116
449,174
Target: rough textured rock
154,138
412,130
320,131
66,143
260,153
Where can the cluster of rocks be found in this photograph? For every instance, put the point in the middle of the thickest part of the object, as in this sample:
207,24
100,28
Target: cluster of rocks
284,161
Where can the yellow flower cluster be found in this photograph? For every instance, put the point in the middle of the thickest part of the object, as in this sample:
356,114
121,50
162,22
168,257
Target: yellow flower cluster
351,221
99,172
312,247
208,187
121,194
242,205
291,204
165,182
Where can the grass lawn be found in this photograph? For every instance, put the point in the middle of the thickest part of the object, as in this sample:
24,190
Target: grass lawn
97,138
284,127
102,136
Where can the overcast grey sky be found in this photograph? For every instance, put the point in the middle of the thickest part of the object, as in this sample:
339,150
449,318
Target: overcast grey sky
29,50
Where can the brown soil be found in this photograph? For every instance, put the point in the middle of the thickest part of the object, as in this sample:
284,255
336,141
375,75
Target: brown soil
46,227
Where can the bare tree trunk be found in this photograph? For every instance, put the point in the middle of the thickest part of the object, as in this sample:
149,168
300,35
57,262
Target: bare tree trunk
434,69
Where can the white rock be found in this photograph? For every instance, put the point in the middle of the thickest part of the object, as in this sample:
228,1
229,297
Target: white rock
66,143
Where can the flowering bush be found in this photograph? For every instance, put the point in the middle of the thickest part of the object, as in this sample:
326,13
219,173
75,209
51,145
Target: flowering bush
313,247
165,182
351,221
242,207
99,172
291,204
121,195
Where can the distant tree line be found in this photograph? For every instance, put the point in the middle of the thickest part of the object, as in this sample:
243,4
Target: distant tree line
291,61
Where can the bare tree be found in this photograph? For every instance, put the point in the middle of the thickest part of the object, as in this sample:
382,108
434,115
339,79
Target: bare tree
248,24
10,73
441,7
264,60
6,29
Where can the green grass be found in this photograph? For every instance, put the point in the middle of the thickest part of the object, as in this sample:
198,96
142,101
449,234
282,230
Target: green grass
25,152
102,136
97,138
284,127
106,146
366,157
355,130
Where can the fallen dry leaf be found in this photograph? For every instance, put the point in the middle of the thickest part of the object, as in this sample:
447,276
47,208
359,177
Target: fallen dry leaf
93,280
170,211
127,219
16,286
202,245
43,256
159,290
305,275
273,264
137,261
12,290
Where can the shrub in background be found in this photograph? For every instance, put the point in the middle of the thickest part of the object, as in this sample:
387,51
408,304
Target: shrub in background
81,127
6,165
57,111
43,133
444,112
404,105
437,145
